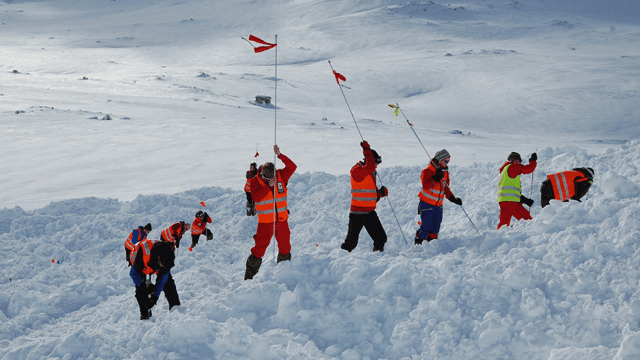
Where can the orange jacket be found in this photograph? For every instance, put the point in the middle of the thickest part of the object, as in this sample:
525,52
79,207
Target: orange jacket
198,226
434,192
145,246
265,207
563,183
136,235
173,233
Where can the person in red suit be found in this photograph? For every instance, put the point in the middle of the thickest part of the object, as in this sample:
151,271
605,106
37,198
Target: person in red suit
269,192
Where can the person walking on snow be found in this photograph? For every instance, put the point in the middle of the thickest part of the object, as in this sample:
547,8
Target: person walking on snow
270,183
435,188
510,196
364,199
251,173
135,237
573,184
199,226
153,257
173,234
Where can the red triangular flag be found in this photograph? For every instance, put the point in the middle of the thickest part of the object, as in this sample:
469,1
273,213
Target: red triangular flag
261,48
339,77
202,203
256,155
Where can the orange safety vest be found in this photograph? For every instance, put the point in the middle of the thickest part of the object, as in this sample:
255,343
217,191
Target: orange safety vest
198,226
145,246
129,242
364,193
169,236
247,185
265,209
563,184
434,194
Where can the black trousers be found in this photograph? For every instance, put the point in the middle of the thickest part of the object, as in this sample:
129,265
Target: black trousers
170,293
371,223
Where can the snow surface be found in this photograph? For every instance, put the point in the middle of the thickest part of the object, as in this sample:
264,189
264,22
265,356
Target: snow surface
480,79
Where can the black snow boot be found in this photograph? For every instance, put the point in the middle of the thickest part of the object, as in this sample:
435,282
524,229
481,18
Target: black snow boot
417,240
253,265
378,249
284,257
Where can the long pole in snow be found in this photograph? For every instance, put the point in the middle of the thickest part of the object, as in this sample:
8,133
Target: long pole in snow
397,106
275,156
361,138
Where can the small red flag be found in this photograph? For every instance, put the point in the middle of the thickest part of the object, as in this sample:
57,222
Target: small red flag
202,203
256,155
260,41
339,77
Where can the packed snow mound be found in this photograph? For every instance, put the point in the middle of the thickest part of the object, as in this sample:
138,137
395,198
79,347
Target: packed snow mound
561,286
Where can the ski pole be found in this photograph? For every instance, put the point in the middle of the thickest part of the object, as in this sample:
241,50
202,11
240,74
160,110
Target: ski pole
397,106
339,76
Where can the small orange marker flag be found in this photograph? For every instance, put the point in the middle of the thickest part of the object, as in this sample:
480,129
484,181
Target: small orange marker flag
202,203
190,249
53,261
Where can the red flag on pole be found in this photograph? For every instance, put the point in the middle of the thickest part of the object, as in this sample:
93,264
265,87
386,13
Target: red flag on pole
339,77
260,41
202,203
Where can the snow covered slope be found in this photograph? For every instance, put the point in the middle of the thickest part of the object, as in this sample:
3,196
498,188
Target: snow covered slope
480,79
562,286
178,81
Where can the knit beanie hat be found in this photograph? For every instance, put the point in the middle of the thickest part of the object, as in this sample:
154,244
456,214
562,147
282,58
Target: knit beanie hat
514,156
162,252
441,155
147,227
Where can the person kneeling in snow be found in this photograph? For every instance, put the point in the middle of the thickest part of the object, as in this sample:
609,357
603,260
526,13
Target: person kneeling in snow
510,196
198,227
153,257
173,234
566,185
269,191
364,199
435,188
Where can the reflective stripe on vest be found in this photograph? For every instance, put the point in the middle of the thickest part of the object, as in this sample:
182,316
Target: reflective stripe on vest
146,246
563,184
168,235
434,195
198,226
129,242
509,189
364,193
247,185
265,208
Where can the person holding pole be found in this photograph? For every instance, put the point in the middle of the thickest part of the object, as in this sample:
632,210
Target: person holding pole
269,191
435,188
510,196
364,198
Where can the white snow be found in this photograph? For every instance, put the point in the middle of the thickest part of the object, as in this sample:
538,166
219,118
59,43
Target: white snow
177,84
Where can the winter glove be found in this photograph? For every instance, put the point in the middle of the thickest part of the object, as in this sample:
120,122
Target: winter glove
455,200
382,192
152,301
534,157
206,217
365,145
525,200
438,175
